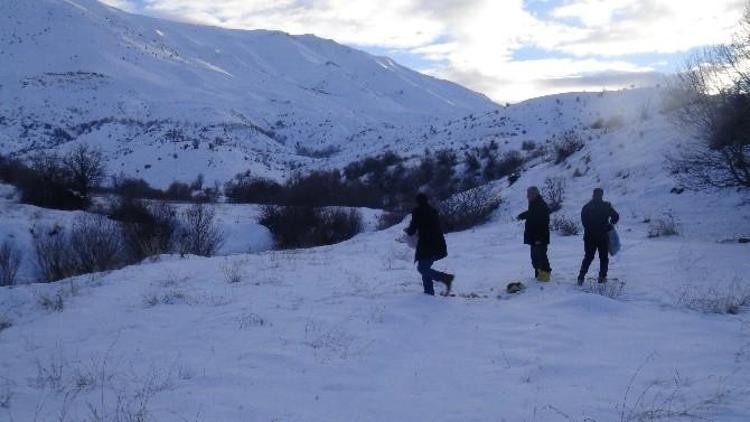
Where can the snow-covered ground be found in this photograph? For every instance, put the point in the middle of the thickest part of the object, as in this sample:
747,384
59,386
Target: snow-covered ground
343,333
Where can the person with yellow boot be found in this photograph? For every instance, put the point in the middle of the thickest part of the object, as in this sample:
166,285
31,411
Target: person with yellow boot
536,233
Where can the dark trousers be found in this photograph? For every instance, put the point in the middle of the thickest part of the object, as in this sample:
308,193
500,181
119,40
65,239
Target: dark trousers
591,245
424,266
539,259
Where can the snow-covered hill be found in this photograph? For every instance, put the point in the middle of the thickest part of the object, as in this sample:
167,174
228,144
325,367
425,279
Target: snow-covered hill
154,93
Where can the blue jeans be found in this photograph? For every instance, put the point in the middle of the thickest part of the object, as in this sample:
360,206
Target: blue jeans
424,266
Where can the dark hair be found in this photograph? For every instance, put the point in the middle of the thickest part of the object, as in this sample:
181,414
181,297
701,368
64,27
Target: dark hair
598,193
422,198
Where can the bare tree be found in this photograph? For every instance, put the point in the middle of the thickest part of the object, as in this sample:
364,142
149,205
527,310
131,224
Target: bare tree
147,229
10,261
53,257
86,168
712,98
554,192
95,243
200,234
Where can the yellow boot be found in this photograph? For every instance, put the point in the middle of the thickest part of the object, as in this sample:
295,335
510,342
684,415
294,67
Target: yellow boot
543,276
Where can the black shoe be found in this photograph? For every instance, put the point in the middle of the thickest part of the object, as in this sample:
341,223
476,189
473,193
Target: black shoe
448,282
602,280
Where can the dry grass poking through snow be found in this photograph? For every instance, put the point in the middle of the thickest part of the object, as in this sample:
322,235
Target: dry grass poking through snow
720,299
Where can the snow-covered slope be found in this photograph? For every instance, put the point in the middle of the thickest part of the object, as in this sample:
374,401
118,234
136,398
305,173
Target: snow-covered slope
343,333
154,93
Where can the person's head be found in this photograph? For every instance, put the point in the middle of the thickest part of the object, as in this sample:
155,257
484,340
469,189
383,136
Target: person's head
422,199
598,194
532,193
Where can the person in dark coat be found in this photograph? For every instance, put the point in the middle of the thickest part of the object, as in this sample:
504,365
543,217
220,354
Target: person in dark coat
598,216
536,233
431,247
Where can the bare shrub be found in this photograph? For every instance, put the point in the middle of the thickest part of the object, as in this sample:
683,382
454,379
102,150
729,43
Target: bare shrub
95,243
728,299
85,166
325,152
612,289
199,233
245,188
528,145
663,226
300,227
252,320
666,400
53,181
47,182
147,229
51,302
468,209
92,244
133,188
329,342
565,225
554,192
170,297
505,165
10,261
568,144
50,374
378,164
233,272
54,258
179,191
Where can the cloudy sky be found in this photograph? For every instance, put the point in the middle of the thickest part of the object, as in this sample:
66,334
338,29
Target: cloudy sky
508,49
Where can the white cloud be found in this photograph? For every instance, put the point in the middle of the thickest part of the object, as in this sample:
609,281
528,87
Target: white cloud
621,27
473,41
125,5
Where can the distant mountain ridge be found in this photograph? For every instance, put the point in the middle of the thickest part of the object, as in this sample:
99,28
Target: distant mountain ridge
204,99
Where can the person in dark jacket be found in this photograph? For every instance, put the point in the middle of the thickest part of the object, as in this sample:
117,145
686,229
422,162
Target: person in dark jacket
536,233
431,247
598,216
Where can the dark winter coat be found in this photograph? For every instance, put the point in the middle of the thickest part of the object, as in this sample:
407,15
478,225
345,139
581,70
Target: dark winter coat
536,230
597,217
425,222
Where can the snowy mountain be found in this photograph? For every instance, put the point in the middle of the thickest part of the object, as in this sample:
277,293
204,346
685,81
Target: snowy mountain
154,93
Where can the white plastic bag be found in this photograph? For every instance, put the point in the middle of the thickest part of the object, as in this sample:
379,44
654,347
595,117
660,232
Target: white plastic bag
614,242
410,241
